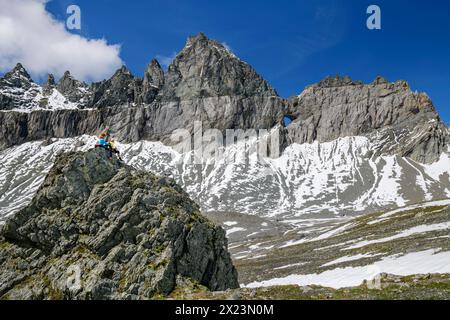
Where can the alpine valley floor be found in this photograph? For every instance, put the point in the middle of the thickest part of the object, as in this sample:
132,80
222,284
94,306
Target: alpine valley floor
411,240
397,254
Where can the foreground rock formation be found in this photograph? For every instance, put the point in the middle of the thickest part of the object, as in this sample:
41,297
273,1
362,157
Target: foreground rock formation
99,229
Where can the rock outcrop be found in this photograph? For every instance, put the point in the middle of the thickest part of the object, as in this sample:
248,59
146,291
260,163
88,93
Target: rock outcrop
74,90
49,85
99,229
152,82
205,68
398,120
121,90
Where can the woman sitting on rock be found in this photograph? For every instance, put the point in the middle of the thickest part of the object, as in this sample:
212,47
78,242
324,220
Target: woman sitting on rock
103,142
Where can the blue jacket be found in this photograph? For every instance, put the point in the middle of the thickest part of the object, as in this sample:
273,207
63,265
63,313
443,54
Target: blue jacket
102,142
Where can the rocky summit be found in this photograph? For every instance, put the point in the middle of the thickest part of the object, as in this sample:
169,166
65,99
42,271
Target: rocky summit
99,229
206,68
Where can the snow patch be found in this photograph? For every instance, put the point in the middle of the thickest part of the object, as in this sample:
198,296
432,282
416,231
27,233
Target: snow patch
350,258
235,229
428,261
230,223
403,234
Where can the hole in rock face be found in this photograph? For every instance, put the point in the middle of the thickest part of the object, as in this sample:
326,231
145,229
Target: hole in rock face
287,119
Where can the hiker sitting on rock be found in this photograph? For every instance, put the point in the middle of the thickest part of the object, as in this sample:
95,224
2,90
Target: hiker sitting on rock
113,147
103,142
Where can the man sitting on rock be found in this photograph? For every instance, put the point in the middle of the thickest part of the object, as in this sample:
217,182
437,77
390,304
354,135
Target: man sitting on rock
113,147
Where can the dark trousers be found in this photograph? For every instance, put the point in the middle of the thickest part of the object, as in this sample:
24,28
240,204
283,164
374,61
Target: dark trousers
110,152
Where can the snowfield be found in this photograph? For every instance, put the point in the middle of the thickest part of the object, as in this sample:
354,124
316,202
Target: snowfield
333,178
33,99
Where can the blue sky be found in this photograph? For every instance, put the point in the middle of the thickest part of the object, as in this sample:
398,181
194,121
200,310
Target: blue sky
290,43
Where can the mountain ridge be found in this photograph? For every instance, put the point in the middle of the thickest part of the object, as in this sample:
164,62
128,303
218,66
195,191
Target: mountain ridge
206,82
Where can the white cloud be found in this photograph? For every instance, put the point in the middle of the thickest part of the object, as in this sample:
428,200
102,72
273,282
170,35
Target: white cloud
165,61
32,36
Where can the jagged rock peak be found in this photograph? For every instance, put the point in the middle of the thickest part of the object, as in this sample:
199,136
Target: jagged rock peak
123,70
337,81
66,75
152,82
18,77
380,80
200,37
155,63
205,68
131,234
66,81
50,80
345,81
18,72
202,42
121,89
49,85
154,75
73,89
